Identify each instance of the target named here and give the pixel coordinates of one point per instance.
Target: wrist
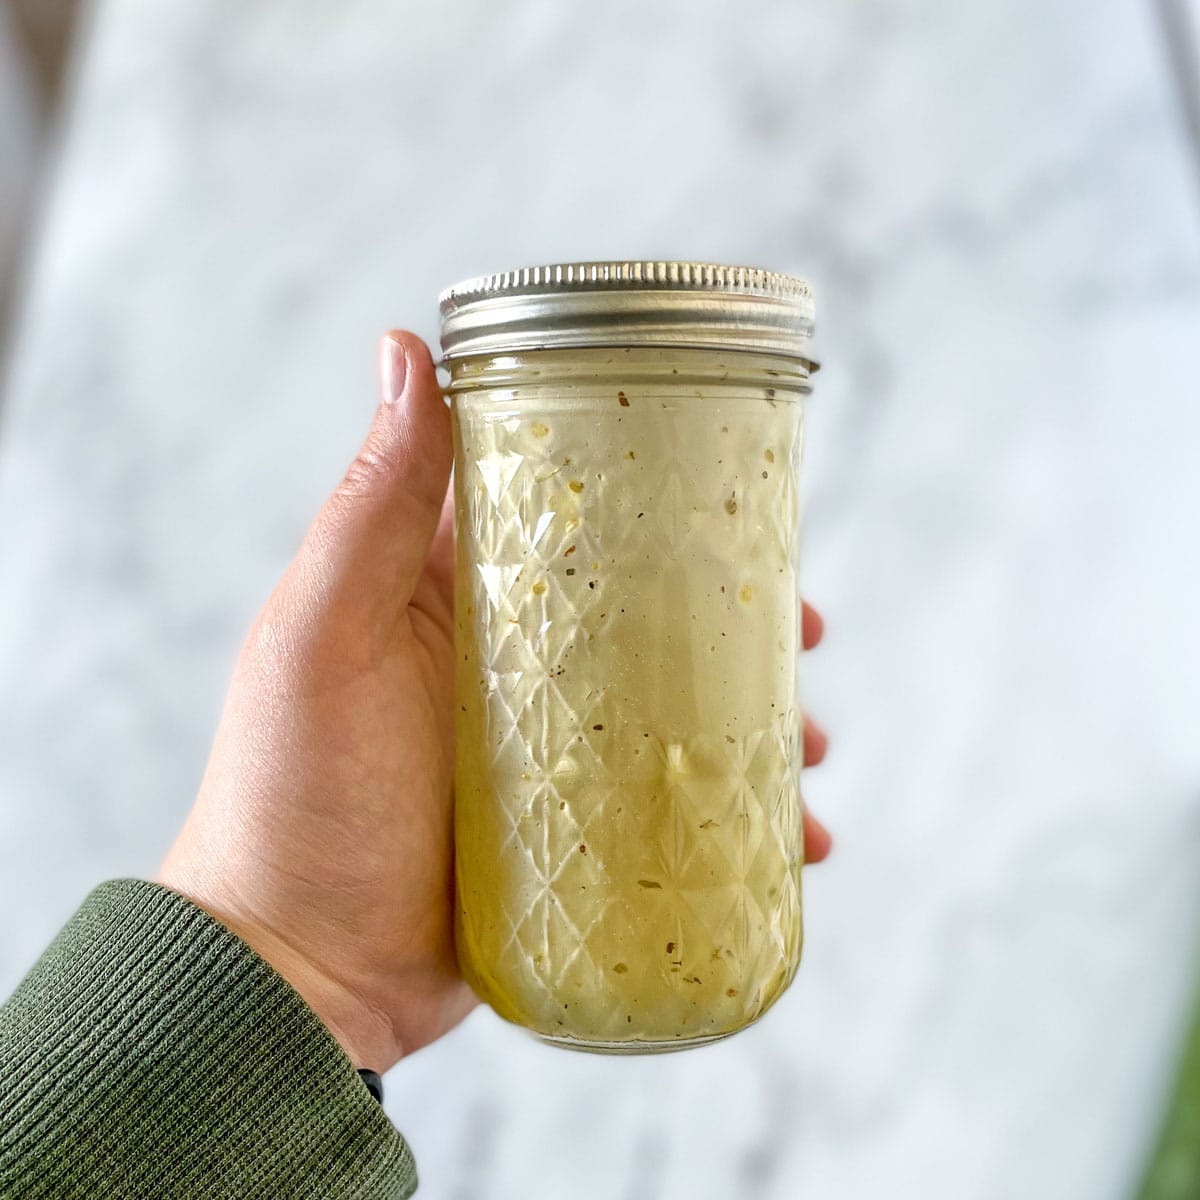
(364, 1034)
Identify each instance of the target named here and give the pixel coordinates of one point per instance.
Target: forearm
(150, 1052)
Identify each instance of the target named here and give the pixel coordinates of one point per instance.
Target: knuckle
(369, 473)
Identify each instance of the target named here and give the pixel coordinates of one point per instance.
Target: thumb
(369, 543)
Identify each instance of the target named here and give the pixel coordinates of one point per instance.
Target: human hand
(322, 833)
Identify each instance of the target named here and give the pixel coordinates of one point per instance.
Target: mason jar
(628, 824)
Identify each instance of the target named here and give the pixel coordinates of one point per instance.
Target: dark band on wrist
(374, 1083)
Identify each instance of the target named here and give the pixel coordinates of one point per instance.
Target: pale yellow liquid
(628, 815)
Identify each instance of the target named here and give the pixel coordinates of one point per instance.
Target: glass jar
(628, 817)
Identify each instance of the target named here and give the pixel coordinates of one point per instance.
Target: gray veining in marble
(996, 204)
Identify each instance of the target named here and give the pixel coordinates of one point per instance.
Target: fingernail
(393, 367)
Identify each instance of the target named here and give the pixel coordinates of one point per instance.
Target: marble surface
(997, 206)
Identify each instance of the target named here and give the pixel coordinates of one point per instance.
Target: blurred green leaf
(1174, 1169)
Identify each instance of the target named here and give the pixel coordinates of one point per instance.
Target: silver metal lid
(601, 304)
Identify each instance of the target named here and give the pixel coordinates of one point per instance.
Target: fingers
(817, 839)
(816, 742)
(812, 627)
(370, 541)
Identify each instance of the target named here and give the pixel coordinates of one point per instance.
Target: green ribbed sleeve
(151, 1053)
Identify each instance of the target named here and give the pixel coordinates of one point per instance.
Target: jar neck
(677, 366)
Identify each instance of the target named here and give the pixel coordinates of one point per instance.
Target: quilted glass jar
(628, 817)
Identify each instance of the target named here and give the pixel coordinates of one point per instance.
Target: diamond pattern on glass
(628, 828)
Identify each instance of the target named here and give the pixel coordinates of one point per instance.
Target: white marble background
(998, 207)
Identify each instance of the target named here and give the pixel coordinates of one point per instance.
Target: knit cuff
(151, 1053)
